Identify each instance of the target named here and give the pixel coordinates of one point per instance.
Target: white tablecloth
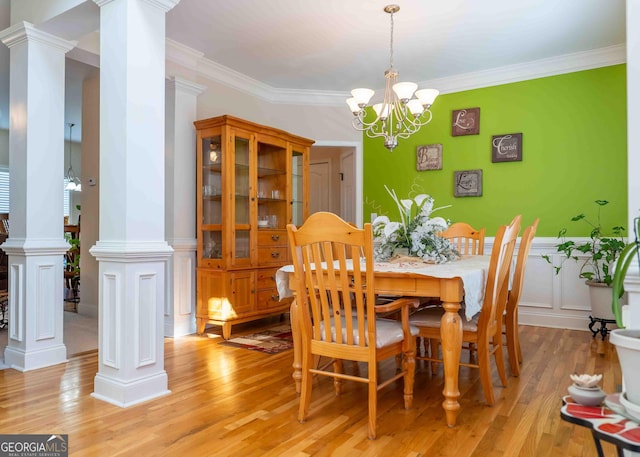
(472, 270)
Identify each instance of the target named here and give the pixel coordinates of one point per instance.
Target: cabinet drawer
(272, 255)
(267, 278)
(272, 237)
(268, 298)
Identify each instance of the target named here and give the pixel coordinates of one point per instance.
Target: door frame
(357, 146)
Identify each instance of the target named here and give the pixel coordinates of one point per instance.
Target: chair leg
(512, 351)
(373, 401)
(485, 372)
(409, 367)
(434, 351)
(338, 367)
(305, 387)
(499, 356)
(513, 344)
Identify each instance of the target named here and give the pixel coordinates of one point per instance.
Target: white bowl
(631, 409)
(263, 223)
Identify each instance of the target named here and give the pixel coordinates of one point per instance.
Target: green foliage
(630, 251)
(600, 252)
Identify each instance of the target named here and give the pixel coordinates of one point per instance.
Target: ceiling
(336, 45)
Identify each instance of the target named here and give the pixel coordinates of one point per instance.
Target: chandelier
(73, 182)
(399, 115)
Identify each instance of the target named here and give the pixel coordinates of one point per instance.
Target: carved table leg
(451, 337)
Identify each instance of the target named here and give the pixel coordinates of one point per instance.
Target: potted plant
(627, 341)
(598, 256)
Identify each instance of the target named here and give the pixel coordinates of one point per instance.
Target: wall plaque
(429, 157)
(465, 122)
(467, 183)
(506, 148)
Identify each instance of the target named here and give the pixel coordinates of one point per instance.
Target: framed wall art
(506, 148)
(429, 157)
(465, 122)
(467, 183)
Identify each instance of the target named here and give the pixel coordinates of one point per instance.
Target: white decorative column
(180, 205)
(36, 156)
(131, 250)
(632, 280)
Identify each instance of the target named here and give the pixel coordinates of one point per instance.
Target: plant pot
(587, 396)
(600, 296)
(627, 344)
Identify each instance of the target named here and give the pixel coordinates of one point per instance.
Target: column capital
(164, 5)
(25, 31)
(131, 251)
(184, 85)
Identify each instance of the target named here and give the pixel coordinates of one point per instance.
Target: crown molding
(567, 63)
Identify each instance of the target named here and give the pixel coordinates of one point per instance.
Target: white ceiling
(336, 45)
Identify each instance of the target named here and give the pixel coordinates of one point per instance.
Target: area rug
(270, 341)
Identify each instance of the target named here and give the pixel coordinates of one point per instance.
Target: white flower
(418, 234)
(380, 220)
(391, 229)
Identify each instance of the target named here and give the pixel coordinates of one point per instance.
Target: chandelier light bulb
(415, 107)
(427, 96)
(405, 90)
(353, 105)
(362, 96)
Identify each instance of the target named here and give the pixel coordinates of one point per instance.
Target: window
(4, 191)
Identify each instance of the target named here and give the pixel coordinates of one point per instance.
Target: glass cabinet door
(211, 179)
(297, 188)
(272, 184)
(241, 208)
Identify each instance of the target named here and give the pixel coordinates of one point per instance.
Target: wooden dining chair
(485, 328)
(466, 239)
(337, 311)
(511, 314)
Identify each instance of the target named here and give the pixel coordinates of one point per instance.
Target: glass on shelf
(212, 245)
(215, 154)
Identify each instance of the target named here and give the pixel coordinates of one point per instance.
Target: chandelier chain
(391, 44)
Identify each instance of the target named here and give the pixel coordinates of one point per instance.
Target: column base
(125, 394)
(21, 360)
(179, 327)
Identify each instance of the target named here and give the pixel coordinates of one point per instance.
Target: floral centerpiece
(416, 233)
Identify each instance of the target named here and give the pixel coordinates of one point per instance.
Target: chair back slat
(466, 239)
(335, 296)
(496, 289)
(523, 254)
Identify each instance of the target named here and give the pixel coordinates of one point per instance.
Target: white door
(319, 187)
(347, 187)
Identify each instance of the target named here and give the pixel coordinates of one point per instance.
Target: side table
(607, 422)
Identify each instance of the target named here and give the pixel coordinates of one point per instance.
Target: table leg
(297, 345)
(451, 337)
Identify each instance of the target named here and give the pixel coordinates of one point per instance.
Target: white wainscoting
(550, 300)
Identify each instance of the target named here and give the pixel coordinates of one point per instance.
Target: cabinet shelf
(264, 172)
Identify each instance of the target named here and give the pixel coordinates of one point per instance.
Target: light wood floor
(234, 402)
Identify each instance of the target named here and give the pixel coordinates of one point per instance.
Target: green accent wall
(574, 130)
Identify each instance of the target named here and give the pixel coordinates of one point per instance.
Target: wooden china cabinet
(252, 181)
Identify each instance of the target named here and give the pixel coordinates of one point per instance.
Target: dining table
(457, 284)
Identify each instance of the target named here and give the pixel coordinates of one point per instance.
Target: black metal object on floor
(602, 330)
